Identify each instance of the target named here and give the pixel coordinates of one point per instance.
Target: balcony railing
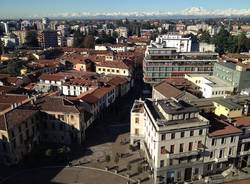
(184, 154)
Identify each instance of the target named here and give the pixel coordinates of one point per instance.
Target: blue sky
(27, 8)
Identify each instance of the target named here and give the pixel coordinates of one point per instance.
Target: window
(196, 171)
(163, 150)
(136, 120)
(209, 167)
(136, 131)
(178, 175)
(172, 135)
(223, 141)
(170, 161)
(221, 154)
(108, 70)
(182, 134)
(191, 133)
(190, 146)
(163, 137)
(162, 163)
(172, 149)
(113, 70)
(232, 139)
(200, 132)
(181, 147)
(117, 71)
(99, 69)
(200, 144)
(19, 128)
(211, 155)
(230, 151)
(213, 142)
(61, 117)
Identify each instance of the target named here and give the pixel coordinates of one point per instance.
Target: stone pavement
(99, 152)
(218, 178)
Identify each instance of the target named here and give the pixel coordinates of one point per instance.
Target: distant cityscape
(127, 99)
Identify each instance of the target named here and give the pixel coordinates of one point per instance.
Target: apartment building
(165, 90)
(221, 146)
(210, 86)
(47, 38)
(63, 122)
(162, 62)
(227, 108)
(76, 86)
(113, 67)
(48, 82)
(172, 134)
(18, 128)
(181, 43)
(235, 74)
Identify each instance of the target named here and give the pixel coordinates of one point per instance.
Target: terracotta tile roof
(16, 117)
(113, 64)
(11, 99)
(7, 89)
(97, 94)
(90, 99)
(56, 104)
(79, 81)
(242, 121)
(219, 127)
(117, 80)
(52, 77)
(102, 91)
(168, 90)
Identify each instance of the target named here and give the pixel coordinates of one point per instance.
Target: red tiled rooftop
(242, 121)
(52, 77)
(11, 99)
(113, 64)
(221, 128)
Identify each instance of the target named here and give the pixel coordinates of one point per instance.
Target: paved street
(240, 182)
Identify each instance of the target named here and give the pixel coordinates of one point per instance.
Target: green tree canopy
(205, 37)
(14, 67)
(89, 41)
(31, 39)
(78, 39)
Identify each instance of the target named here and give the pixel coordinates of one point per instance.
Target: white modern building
(182, 44)
(210, 86)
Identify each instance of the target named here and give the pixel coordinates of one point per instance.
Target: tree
(139, 168)
(129, 166)
(31, 39)
(107, 158)
(221, 40)
(14, 67)
(116, 159)
(89, 41)
(78, 39)
(205, 37)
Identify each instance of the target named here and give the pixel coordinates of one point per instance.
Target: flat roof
(228, 103)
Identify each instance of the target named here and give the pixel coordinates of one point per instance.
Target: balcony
(222, 159)
(148, 155)
(184, 154)
(245, 152)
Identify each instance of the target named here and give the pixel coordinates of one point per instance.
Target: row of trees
(225, 42)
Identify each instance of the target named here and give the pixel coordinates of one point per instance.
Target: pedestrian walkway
(219, 178)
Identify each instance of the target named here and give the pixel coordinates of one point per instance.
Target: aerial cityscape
(125, 92)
